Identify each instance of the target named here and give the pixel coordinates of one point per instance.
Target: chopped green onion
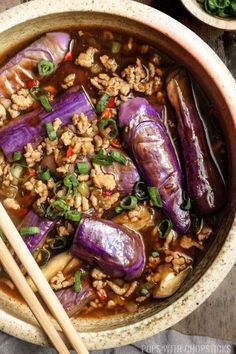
(118, 157)
(115, 48)
(118, 209)
(143, 291)
(221, 8)
(44, 175)
(71, 181)
(164, 228)
(29, 230)
(154, 196)
(50, 131)
(45, 256)
(129, 202)
(186, 205)
(155, 254)
(82, 168)
(102, 103)
(45, 103)
(17, 156)
(140, 191)
(73, 215)
(57, 208)
(197, 224)
(58, 243)
(45, 67)
(77, 286)
(102, 159)
(108, 123)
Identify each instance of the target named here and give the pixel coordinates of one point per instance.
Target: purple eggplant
(116, 249)
(146, 138)
(125, 175)
(31, 126)
(74, 302)
(205, 185)
(22, 67)
(44, 225)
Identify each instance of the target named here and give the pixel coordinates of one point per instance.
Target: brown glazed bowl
(31, 19)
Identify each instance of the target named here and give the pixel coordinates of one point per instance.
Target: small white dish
(228, 24)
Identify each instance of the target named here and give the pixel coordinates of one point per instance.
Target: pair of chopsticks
(44, 288)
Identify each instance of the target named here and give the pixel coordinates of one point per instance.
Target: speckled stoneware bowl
(26, 21)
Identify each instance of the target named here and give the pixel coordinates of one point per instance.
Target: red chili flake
(68, 57)
(106, 194)
(69, 151)
(108, 113)
(111, 102)
(102, 294)
(32, 172)
(32, 83)
(116, 143)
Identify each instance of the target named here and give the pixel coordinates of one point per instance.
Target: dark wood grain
(217, 316)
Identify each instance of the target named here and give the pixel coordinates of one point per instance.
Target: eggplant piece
(22, 67)
(45, 225)
(146, 138)
(125, 175)
(74, 302)
(116, 249)
(205, 185)
(30, 127)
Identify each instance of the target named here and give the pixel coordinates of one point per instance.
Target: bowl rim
(228, 24)
(222, 78)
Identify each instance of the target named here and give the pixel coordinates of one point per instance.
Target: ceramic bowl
(228, 24)
(31, 19)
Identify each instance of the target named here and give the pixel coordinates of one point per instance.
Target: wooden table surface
(217, 316)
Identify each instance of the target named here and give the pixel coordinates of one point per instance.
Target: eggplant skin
(73, 302)
(206, 187)
(116, 249)
(148, 142)
(21, 68)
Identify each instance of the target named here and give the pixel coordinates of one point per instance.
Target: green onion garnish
(45, 256)
(118, 209)
(102, 103)
(129, 202)
(50, 131)
(186, 205)
(29, 230)
(143, 291)
(108, 123)
(77, 286)
(154, 196)
(82, 168)
(155, 254)
(164, 228)
(71, 181)
(118, 157)
(221, 8)
(57, 208)
(44, 175)
(140, 191)
(102, 159)
(45, 103)
(58, 243)
(197, 224)
(17, 156)
(73, 215)
(45, 67)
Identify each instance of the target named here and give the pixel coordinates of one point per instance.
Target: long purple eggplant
(116, 249)
(147, 139)
(74, 302)
(44, 225)
(31, 126)
(22, 67)
(125, 175)
(205, 185)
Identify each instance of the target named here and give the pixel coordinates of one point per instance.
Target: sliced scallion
(155, 254)
(45, 67)
(118, 157)
(82, 168)
(77, 285)
(50, 131)
(44, 175)
(118, 209)
(186, 205)
(164, 228)
(102, 159)
(29, 230)
(129, 202)
(45, 103)
(58, 243)
(102, 103)
(154, 196)
(143, 292)
(140, 191)
(17, 156)
(44, 256)
(57, 208)
(108, 128)
(73, 215)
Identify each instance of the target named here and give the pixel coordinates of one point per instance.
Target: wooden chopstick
(19, 280)
(39, 280)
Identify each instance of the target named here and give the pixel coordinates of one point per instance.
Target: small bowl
(227, 24)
